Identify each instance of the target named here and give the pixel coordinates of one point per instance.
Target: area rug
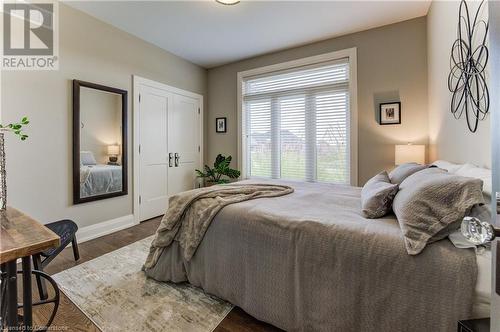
(116, 295)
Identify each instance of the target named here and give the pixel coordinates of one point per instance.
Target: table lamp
(113, 152)
(409, 153)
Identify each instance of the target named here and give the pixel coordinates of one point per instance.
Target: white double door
(169, 147)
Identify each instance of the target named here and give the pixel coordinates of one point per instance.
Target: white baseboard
(104, 228)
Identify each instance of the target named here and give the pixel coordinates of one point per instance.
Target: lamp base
(113, 159)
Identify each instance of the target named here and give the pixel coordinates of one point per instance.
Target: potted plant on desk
(17, 129)
(220, 173)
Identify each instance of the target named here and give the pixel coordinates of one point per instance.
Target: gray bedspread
(309, 261)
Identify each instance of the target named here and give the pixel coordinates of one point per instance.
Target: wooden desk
(21, 237)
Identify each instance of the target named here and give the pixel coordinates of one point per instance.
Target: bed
(100, 179)
(310, 261)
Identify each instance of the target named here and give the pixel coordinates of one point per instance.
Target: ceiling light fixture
(228, 2)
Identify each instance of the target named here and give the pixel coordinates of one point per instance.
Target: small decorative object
(221, 169)
(467, 78)
(478, 232)
(220, 125)
(390, 113)
(16, 129)
(113, 152)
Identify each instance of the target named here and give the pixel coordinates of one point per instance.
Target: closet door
(154, 106)
(184, 130)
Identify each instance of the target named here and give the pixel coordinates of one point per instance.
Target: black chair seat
(66, 229)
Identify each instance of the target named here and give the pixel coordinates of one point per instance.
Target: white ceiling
(210, 34)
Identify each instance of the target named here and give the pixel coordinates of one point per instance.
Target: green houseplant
(220, 173)
(15, 128)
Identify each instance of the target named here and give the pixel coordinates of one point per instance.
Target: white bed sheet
(482, 293)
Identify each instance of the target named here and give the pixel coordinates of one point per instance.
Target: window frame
(351, 54)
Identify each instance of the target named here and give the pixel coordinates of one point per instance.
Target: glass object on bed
(477, 231)
(100, 170)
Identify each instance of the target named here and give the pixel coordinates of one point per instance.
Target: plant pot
(210, 183)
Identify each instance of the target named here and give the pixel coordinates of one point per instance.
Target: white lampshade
(228, 2)
(113, 150)
(410, 153)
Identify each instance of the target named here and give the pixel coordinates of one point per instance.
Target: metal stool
(66, 229)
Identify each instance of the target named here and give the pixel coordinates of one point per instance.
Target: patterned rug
(116, 295)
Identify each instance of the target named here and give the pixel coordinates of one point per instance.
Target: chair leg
(76, 252)
(42, 290)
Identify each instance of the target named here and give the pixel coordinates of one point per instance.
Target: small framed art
(390, 113)
(220, 125)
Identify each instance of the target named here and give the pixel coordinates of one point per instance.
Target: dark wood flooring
(70, 318)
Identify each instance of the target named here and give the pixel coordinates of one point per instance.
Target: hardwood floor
(70, 318)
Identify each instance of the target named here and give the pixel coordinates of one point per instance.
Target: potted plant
(220, 173)
(17, 129)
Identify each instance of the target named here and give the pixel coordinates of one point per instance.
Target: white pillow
(443, 164)
(87, 158)
(484, 174)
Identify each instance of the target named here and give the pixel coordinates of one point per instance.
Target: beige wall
(39, 170)
(391, 66)
(101, 122)
(450, 139)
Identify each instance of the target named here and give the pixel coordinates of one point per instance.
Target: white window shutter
(297, 123)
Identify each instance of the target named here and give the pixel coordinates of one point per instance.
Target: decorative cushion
(432, 203)
(400, 173)
(377, 196)
(87, 158)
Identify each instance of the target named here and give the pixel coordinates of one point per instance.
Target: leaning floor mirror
(99, 142)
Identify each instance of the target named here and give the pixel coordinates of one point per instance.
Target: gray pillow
(400, 173)
(377, 196)
(87, 158)
(432, 203)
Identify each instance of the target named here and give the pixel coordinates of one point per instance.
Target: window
(296, 123)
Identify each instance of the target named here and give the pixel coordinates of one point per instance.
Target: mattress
(482, 291)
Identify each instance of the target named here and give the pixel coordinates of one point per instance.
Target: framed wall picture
(220, 125)
(390, 113)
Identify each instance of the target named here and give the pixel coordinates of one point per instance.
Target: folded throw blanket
(190, 213)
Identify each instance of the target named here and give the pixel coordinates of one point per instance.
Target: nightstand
(474, 325)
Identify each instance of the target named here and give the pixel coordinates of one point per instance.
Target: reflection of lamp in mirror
(478, 232)
(113, 152)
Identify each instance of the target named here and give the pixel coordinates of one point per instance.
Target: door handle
(170, 158)
(176, 159)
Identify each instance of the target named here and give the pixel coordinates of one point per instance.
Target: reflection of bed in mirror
(100, 144)
(100, 179)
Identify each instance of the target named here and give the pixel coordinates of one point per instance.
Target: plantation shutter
(297, 123)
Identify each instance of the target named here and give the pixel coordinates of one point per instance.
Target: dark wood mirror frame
(76, 141)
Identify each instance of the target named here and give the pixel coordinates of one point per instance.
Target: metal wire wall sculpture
(467, 78)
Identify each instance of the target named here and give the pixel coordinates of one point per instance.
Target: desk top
(22, 236)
